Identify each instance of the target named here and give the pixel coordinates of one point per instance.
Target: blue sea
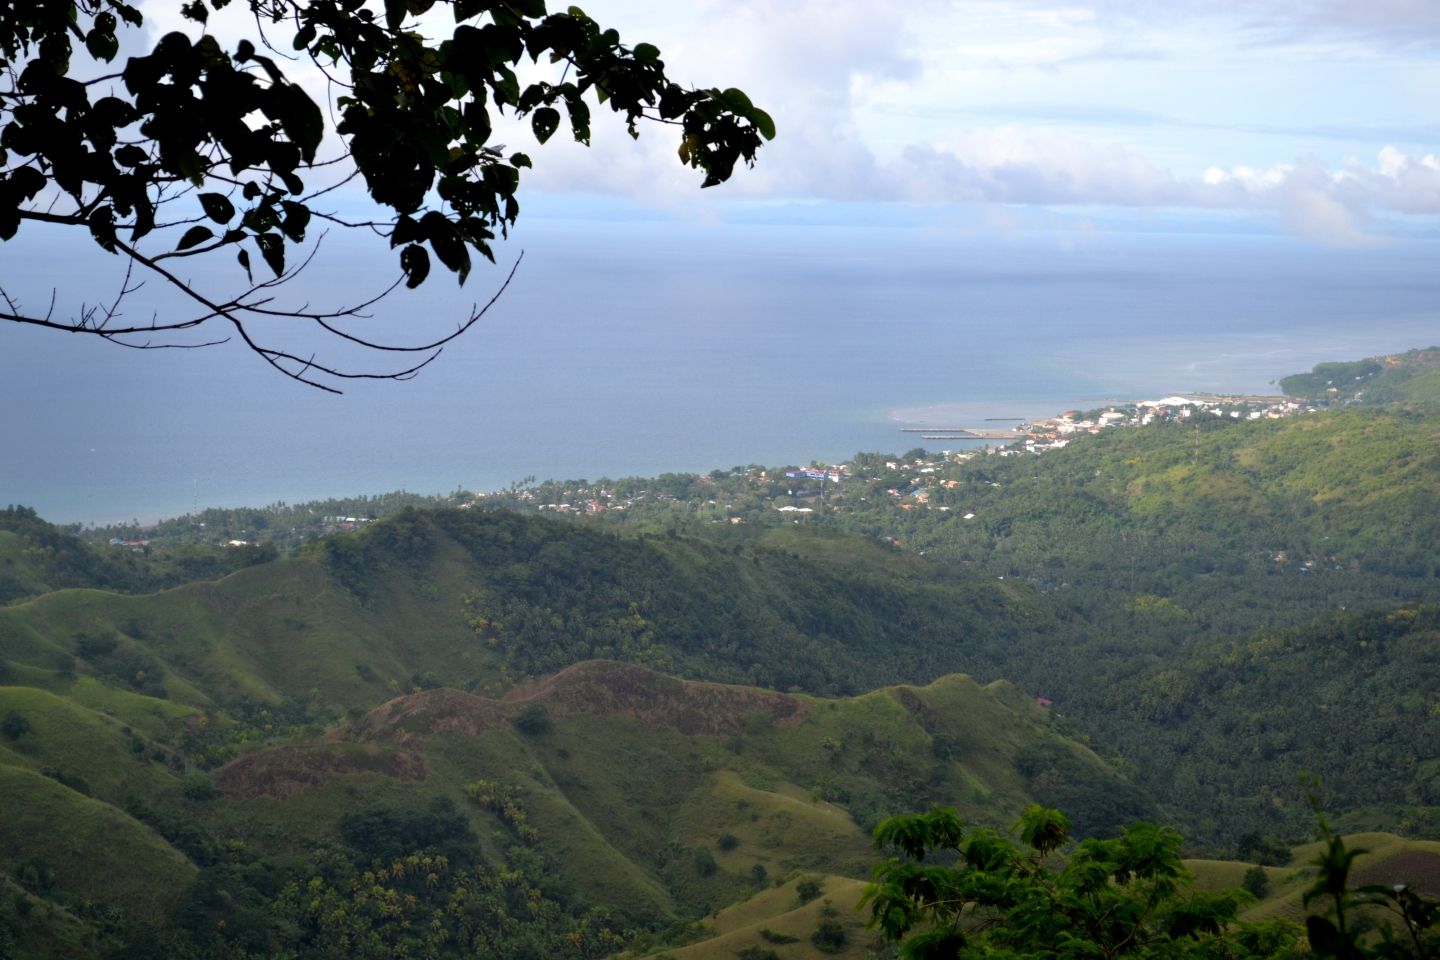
(633, 346)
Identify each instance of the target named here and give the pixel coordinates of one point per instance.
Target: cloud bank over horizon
(1308, 116)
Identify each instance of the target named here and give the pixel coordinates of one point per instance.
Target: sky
(1318, 119)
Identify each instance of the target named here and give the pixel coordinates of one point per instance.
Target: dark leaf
(674, 102)
(217, 207)
(533, 96)
(194, 237)
(416, 264)
(446, 244)
(302, 120)
(579, 118)
(763, 123)
(1325, 939)
(102, 45)
(272, 248)
(27, 181)
(102, 227)
(737, 101)
(544, 122)
(407, 230)
(297, 218)
(244, 259)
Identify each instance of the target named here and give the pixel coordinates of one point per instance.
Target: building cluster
(1042, 435)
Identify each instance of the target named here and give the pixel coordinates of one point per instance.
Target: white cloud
(834, 72)
(1013, 165)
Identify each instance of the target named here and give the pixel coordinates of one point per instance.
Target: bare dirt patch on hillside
(607, 688)
(433, 711)
(1419, 868)
(599, 688)
(282, 772)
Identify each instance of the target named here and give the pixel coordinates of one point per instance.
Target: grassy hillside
(1389, 860)
(37, 557)
(647, 795)
(223, 736)
(782, 921)
(480, 600)
(1141, 546)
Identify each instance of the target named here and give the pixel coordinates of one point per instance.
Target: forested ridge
(781, 611)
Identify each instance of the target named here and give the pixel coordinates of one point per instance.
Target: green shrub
(727, 842)
(75, 782)
(534, 720)
(808, 888)
(36, 876)
(1253, 847)
(757, 953)
(772, 937)
(199, 787)
(829, 936)
(1257, 882)
(705, 864)
(14, 726)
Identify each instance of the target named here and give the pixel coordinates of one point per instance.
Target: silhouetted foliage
(164, 165)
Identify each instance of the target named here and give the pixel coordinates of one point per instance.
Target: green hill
(1411, 377)
(1141, 548)
(1110, 581)
(228, 738)
(1353, 698)
(481, 599)
(37, 557)
(647, 795)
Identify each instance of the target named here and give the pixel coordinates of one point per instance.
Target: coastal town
(1040, 435)
(799, 491)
